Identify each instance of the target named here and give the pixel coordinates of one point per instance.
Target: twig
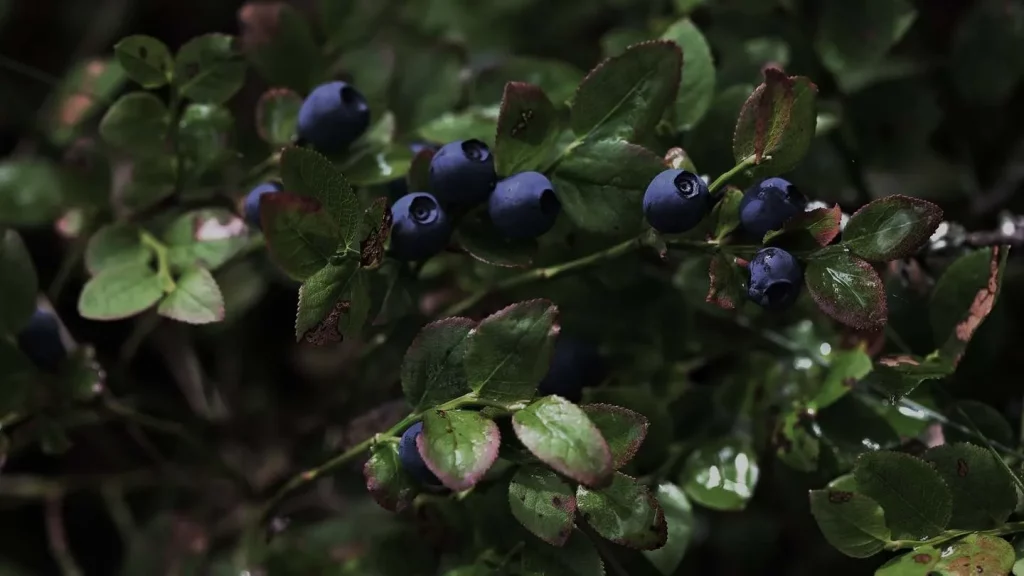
(42, 487)
(57, 538)
(611, 562)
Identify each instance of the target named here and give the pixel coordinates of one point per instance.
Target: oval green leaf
(527, 129)
(776, 123)
(137, 123)
(561, 435)
(852, 523)
(434, 370)
(196, 299)
(18, 283)
(114, 245)
(120, 292)
(697, 87)
(721, 474)
(891, 228)
(209, 69)
(984, 494)
(543, 503)
(848, 289)
(622, 428)
(679, 516)
(916, 500)
(964, 297)
(146, 60)
(624, 512)
(277, 116)
(301, 235)
(458, 446)
(386, 480)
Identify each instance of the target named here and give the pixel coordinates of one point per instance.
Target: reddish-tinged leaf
(458, 446)
(891, 228)
(814, 228)
(527, 129)
(848, 289)
(561, 435)
(277, 115)
(301, 235)
(371, 247)
(622, 428)
(544, 503)
(964, 297)
(386, 481)
(776, 123)
(727, 282)
(624, 512)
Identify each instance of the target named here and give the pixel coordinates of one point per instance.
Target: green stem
(58, 539)
(724, 179)
(1005, 529)
(163, 269)
(544, 274)
(67, 266)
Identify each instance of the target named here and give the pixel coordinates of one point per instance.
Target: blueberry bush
(432, 287)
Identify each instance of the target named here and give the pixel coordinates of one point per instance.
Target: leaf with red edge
(433, 369)
(622, 428)
(458, 446)
(301, 235)
(891, 228)
(527, 129)
(544, 503)
(626, 96)
(625, 512)
(848, 289)
(277, 116)
(386, 480)
(807, 230)
(964, 296)
(776, 123)
(560, 434)
(727, 282)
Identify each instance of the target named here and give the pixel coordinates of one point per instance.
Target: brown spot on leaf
(839, 496)
(962, 468)
(327, 330)
(524, 119)
(371, 248)
(556, 501)
(923, 558)
(78, 103)
(259, 22)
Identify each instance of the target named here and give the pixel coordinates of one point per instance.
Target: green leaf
(601, 185)
(622, 428)
(964, 296)
(679, 516)
(797, 445)
(974, 554)
(277, 116)
(322, 303)
(626, 96)
(113, 245)
(848, 289)
(983, 491)
(81, 376)
(527, 129)
(808, 230)
(18, 283)
(721, 474)
(152, 180)
(697, 87)
(207, 238)
(852, 523)
(209, 69)
(727, 282)
(17, 378)
(776, 124)
(433, 370)
(353, 318)
(279, 44)
(386, 480)
(309, 173)
(475, 122)
(577, 558)
(146, 60)
(379, 166)
(846, 367)
(301, 234)
(137, 123)
(900, 375)
(478, 236)
(973, 414)
(196, 299)
(204, 137)
(509, 351)
(556, 78)
(625, 513)
(891, 228)
(543, 503)
(726, 213)
(86, 88)
(120, 292)
(855, 36)
(429, 84)
(31, 192)
(458, 446)
(561, 435)
(916, 500)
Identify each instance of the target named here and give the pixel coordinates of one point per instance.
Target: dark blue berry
(767, 206)
(252, 202)
(462, 173)
(333, 116)
(420, 227)
(524, 205)
(575, 365)
(40, 341)
(676, 201)
(409, 457)
(776, 278)
(400, 186)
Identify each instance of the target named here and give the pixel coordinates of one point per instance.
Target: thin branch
(57, 538)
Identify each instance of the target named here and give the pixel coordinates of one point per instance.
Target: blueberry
(775, 279)
(252, 202)
(767, 206)
(462, 173)
(409, 457)
(400, 186)
(575, 365)
(676, 201)
(41, 342)
(420, 227)
(333, 116)
(524, 205)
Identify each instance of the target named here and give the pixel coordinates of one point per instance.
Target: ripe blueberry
(676, 201)
(333, 116)
(775, 279)
(462, 173)
(575, 365)
(524, 205)
(400, 186)
(420, 227)
(41, 342)
(409, 457)
(767, 206)
(252, 202)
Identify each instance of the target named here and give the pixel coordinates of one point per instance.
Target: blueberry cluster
(462, 176)
(40, 341)
(575, 364)
(676, 201)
